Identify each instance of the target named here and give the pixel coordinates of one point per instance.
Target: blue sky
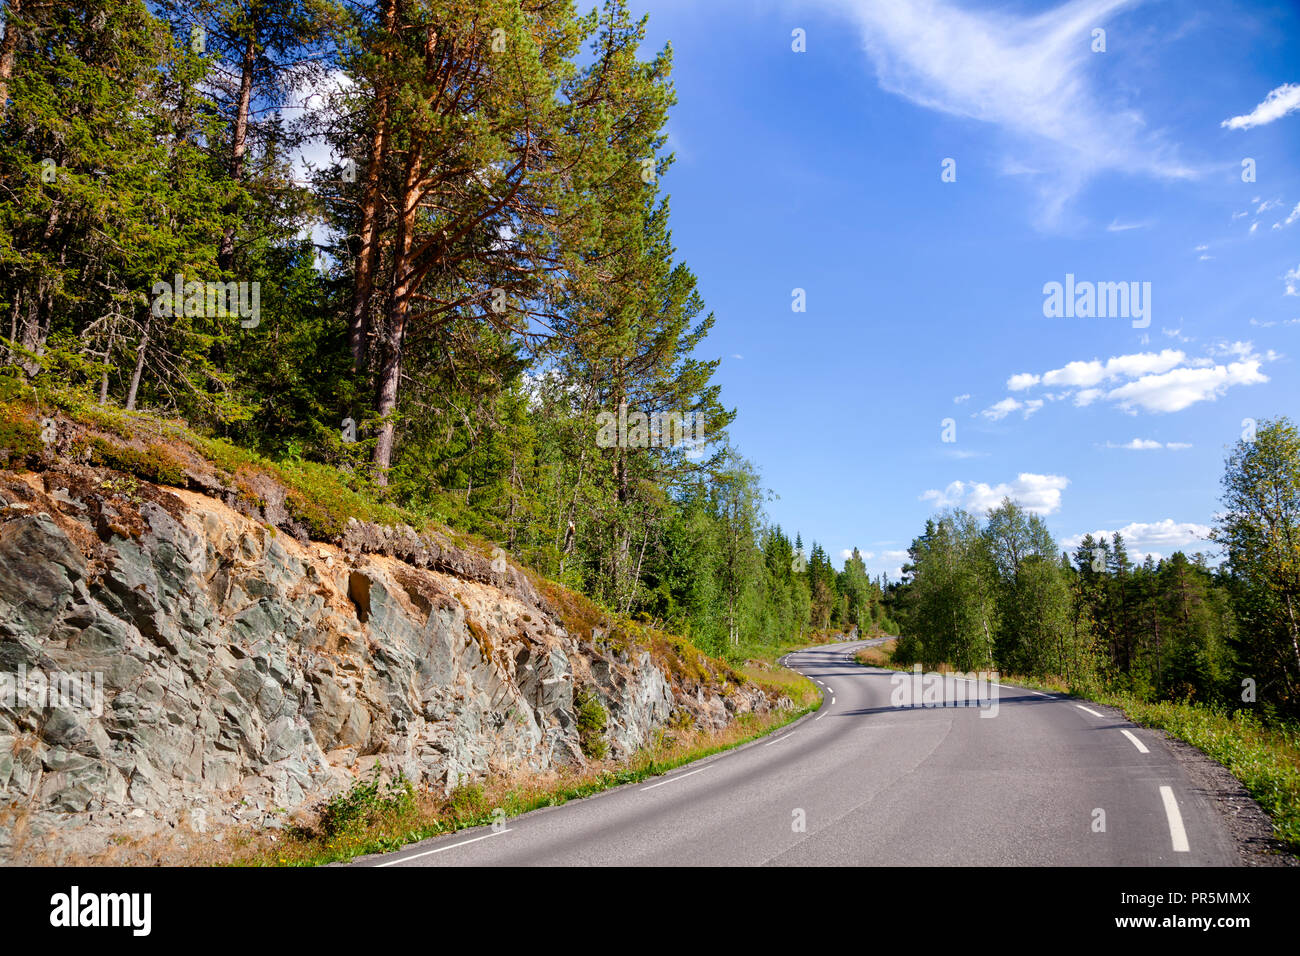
(821, 171)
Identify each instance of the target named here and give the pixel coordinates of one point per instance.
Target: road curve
(874, 784)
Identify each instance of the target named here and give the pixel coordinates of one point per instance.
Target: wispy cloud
(1117, 226)
(1147, 444)
(995, 413)
(1285, 99)
(1027, 75)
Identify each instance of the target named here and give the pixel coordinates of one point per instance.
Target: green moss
(156, 463)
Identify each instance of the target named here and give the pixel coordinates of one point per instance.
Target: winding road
(861, 782)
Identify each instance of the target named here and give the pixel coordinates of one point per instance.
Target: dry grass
(428, 815)
(881, 655)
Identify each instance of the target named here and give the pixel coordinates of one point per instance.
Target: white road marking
(828, 687)
(779, 739)
(680, 776)
(832, 700)
(442, 849)
(1041, 694)
(1176, 831)
(1086, 710)
(1142, 748)
(819, 716)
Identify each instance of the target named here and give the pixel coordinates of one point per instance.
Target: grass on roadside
(881, 655)
(1266, 759)
(372, 818)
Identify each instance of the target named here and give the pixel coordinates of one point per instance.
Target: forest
(997, 593)
(450, 306)
(472, 281)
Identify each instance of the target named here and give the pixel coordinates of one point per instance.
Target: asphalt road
(876, 784)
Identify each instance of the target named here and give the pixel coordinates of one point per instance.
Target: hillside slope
(241, 672)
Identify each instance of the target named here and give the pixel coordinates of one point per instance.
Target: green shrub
(592, 720)
(367, 803)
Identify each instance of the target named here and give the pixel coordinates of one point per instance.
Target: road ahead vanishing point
(862, 782)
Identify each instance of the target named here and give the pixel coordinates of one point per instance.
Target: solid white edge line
(1142, 748)
(680, 776)
(441, 849)
(779, 739)
(1176, 831)
(1041, 694)
(1087, 711)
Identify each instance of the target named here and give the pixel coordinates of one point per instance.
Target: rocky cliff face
(231, 672)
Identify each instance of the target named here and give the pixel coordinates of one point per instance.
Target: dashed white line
(1142, 748)
(779, 739)
(442, 849)
(680, 776)
(832, 700)
(1176, 832)
(1041, 694)
(1087, 711)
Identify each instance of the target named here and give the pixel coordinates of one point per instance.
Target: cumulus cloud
(1285, 99)
(1160, 539)
(1040, 494)
(1176, 390)
(1029, 75)
(1165, 381)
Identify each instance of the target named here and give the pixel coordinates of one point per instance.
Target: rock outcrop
(230, 673)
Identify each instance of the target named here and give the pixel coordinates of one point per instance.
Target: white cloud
(1159, 538)
(1147, 444)
(1017, 383)
(1040, 494)
(1279, 102)
(1094, 372)
(1031, 76)
(1176, 390)
(958, 399)
(1165, 381)
(1117, 226)
(1292, 279)
(1266, 205)
(999, 411)
(1292, 216)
